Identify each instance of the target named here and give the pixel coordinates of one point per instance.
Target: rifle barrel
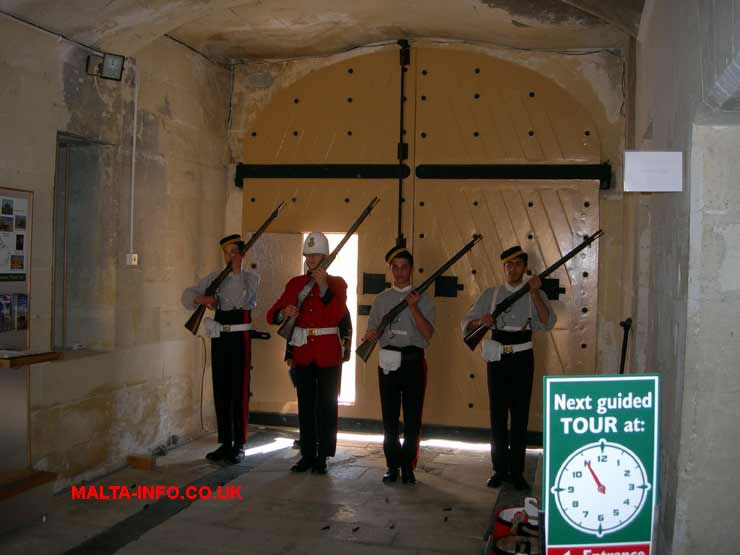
(366, 348)
(286, 328)
(473, 338)
(193, 322)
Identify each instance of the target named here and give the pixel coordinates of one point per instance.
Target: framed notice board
(15, 259)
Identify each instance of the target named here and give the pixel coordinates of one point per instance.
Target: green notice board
(601, 463)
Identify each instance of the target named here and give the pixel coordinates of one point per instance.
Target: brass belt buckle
(312, 332)
(508, 349)
(225, 327)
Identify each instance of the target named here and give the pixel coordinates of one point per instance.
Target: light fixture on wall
(107, 66)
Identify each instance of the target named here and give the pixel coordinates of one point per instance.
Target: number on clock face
(600, 488)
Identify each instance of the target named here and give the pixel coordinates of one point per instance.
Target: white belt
(312, 332)
(235, 327)
(215, 329)
(301, 335)
(510, 349)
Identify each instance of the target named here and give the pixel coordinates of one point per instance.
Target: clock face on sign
(600, 488)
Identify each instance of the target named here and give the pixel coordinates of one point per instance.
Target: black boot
(391, 474)
(219, 454)
(235, 456)
(302, 465)
(407, 475)
(319, 466)
(496, 480)
(519, 482)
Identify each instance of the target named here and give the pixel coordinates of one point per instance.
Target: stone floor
(347, 511)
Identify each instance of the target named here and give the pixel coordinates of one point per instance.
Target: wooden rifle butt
(286, 328)
(365, 350)
(474, 337)
(193, 322)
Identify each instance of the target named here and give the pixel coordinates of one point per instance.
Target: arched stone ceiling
(269, 29)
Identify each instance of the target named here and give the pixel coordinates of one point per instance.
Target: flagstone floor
(349, 510)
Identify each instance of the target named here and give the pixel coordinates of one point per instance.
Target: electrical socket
(132, 259)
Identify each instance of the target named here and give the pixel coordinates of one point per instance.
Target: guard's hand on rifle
(289, 311)
(486, 320)
(289, 362)
(371, 336)
(535, 283)
(321, 277)
(205, 300)
(413, 298)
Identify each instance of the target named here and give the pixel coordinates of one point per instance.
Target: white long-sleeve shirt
(236, 291)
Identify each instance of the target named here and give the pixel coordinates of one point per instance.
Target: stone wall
(689, 267)
(92, 409)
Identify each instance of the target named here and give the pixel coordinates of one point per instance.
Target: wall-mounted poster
(20, 304)
(13, 214)
(7, 206)
(7, 317)
(16, 223)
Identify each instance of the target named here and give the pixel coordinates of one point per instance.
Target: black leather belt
(408, 354)
(511, 337)
(227, 317)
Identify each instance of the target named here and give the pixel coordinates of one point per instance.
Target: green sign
(600, 475)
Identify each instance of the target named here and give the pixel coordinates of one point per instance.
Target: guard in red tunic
(316, 351)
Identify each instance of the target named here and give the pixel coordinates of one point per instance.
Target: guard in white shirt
(230, 347)
(510, 362)
(403, 370)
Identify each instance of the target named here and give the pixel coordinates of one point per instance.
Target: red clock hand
(599, 485)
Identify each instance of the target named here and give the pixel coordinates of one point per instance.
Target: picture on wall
(7, 318)
(19, 240)
(20, 222)
(6, 224)
(21, 311)
(16, 262)
(7, 207)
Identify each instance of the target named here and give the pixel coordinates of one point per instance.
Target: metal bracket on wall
(552, 288)
(372, 284)
(602, 172)
(319, 171)
(447, 286)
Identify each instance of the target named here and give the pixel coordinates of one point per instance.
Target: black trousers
(230, 360)
(509, 393)
(405, 386)
(318, 392)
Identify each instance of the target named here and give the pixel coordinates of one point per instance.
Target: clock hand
(601, 487)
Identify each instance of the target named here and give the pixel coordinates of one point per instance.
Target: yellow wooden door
(463, 107)
(547, 219)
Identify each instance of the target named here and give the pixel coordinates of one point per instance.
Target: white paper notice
(653, 172)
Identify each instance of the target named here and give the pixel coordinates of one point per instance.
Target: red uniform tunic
(316, 312)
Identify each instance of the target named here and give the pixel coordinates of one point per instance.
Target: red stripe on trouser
(421, 418)
(339, 390)
(247, 374)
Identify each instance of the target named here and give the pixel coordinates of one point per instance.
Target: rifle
(286, 328)
(475, 336)
(364, 350)
(194, 322)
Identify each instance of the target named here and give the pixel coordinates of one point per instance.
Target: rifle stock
(193, 322)
(286, 328)
(473, 338)
(366, 348)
